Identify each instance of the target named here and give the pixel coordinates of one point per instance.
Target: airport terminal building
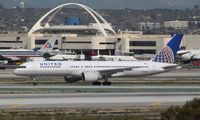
(142, 45)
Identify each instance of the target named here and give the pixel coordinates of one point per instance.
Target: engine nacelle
(71, 79)
(91, 76)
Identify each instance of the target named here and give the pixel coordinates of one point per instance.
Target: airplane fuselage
(76, 68)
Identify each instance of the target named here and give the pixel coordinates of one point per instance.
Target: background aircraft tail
(48, 46)
(168, 53)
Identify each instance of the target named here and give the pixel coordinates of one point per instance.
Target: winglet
(168, 53)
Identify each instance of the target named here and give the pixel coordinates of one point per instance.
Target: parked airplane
(94, 71)
(188, 55)
(17, 54)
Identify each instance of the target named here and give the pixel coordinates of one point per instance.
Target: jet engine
(91, 76)
(71, 79)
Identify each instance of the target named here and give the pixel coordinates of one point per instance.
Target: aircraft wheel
(96, 83)
(107, 83)
(35, 83)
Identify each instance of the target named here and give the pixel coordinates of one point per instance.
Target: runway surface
(74, 96)
(93, 100)
(69, 88)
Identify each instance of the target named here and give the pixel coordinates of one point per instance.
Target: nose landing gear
(35, 82)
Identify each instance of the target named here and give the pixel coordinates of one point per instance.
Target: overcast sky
(110, 4)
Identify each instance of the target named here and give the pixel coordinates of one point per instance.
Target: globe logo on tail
(166, 55)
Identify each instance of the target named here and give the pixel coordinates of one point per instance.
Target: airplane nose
(20, 72)
(16, 72)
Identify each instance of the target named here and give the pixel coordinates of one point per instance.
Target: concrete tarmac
(95, 96)
(93, 100)
(68, 88)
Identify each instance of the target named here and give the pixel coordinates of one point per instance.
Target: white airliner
(94, 71)
(188, 55)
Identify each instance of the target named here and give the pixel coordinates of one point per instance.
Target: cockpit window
(22, 67)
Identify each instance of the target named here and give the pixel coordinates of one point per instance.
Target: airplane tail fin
(168, 53)
(48, 46)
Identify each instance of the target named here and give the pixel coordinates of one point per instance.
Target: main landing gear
(106, 83)
(35, 82)
(96, 83)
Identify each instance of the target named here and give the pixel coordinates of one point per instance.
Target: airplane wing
(5, 58)
(13, 58)
(182, 52)
(172, 67)
(109, 72)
